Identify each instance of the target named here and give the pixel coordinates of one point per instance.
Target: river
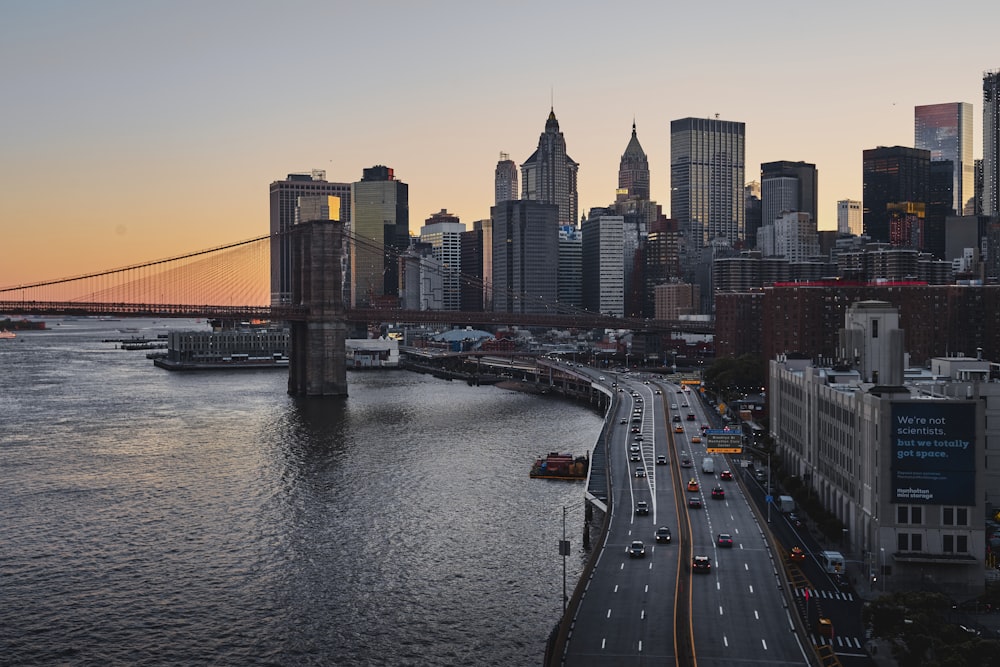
(163, 518)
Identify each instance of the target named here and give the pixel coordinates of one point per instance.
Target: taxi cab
(693, 485)
(678, 429)
(695, 439)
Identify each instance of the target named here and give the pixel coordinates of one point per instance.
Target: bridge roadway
(654, 610)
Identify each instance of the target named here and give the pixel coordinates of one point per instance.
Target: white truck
(786, 504)
(708, 465)
(832, 561)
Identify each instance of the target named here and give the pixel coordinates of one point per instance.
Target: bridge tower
(317, 356)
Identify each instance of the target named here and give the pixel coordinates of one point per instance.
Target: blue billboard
(933, 453)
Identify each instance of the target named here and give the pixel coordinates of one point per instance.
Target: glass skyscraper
(991, 143)
(707, 175)
(946, 131)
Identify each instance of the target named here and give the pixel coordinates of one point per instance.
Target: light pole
(564, 552)
(767, 492)
(881, 566)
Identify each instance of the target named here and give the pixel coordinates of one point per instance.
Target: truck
(832, 561)
(708, 465)
(786, 504)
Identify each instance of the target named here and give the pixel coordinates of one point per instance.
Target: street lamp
(881, 566)
(564, 552)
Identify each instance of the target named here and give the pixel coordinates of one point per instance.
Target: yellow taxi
(695, 438)
(678, 429)
(693, 485)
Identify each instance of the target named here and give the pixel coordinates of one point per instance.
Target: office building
(849, 218)
(946, 131)
(549, 175)
(525, 256)
(899, 455)
(603, 265)
(788, 186)
(892, 175)
(322, 198)
(443, 233)
(570, 267)
(505, 179)
(754, 213)
(707, 177)
(473, 277)
(380, 221)
(991, 143)
(633, 171)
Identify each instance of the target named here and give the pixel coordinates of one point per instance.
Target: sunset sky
(136, 130)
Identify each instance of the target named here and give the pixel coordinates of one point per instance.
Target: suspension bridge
(232, 282)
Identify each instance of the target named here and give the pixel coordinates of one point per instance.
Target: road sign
(768, 499)
(723, 442)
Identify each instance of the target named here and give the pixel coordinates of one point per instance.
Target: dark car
(642, 507)
(726, 475)
(637, 549)
(640, 472)
(635, 456)
(796, 554)
(662, 534)
(636, 429)
(677, 418)
(690, 416)
(694, 502)
(725, 540)
(701, 564)
(661, 460)
(718, 493)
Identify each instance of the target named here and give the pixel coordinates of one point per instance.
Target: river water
(159, 518)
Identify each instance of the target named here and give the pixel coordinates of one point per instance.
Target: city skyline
(133, 133)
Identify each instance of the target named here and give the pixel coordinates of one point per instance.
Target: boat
(7, 334)
(560, 466)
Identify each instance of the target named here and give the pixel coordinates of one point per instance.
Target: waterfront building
(320, 198)
(603, 266)
(570, 266)
(380, 220)
(525, 256)
(245, 347)
(788, 186)
(849, 218)
(505, 179)
(707, 177)
(946, 131)
(990, 201)
(371, 353)
(891, 175)
(898, 455)
(443, 232)
(550, 175)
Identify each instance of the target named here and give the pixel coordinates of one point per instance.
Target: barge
(560, 466)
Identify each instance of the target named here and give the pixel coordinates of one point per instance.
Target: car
(634, 448)
(686, 462)
(640, 472)
(624, 420)
(642, 507)
(662, 534)
(614, 384)
(796, 554)
(726, 475)
(635, 456)
(678, 429)
(637, 549)
(694, 502)
(677, 418)
(636, 429)
(619, 390)
(601, 379)
(659, 393)
(695, 439)
(646, 382)
(690, 416)
(794, 519)
(701, 564)
(638, 399)
(673, 406)
(661, 460)
(638, 437)
(718, 493)
(725, 541)
(704, 427)
(692, 485)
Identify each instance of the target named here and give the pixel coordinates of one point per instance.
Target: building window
(955, 516)
(909, 542)
(955, 544)
(910, 514)
(874, 328)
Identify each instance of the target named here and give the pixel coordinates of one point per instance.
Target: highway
(653, 610)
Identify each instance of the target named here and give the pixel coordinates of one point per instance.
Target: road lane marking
(725, 640)
(603, 642)
(616, 588)
(756, 615)
(764, 643)
(720, 610)
(609, 612)
(751, 588)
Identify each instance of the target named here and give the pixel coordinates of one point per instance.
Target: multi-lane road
(654, 609)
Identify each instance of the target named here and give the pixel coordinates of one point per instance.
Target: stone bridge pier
(317, 356)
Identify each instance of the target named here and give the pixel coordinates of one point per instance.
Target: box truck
(708, 465)
(786, 504)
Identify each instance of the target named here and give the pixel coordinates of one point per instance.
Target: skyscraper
(284, 202)
(549, 175)
(380, 224)
(443, 233)
(603, 266)
(505, 179)
(991, 143)
(525, 256)
(892, 175)
(633, 171)
(946, 131)
(788, 186)
(849, 219)
(707, 175)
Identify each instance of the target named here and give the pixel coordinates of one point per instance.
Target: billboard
(933, 449)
